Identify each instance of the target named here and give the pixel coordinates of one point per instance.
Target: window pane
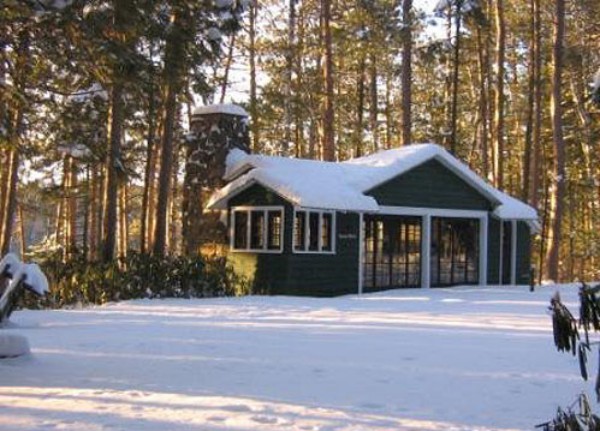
(240, 230)
(274, 232)
(299, 230)
(313, 231)
(257, 228)
(326, 232)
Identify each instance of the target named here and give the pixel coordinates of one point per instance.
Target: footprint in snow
(237, 408)
(216, 419)
(267, 420)
(371, 406)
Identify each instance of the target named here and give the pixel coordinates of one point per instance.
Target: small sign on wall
(347, 236)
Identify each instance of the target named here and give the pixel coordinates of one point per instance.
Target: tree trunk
(148, 171)
(557, 198)
(289, 68)
(374, 103)
(537, 101)
(13, 157)
(95, 211)
(123, 225)
(328, 143)
(174, 221)
(114, 170)
(483, 60)
(4, 187)
(71, 195)
(388, 111)
(174, 68)
(166, 166)
(228, 62)
(499, 105)
(528, 147)
(360, 107)
(22, 236)
(11, 199)
(300, 119)
(407, 71)
(113, 166)
(254, 124)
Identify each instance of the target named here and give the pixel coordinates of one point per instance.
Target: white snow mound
(13, 345)
(35, 279)
(9, 265)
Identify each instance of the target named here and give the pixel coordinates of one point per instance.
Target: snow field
(439, 359)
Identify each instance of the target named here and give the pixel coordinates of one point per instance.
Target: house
(409, 217)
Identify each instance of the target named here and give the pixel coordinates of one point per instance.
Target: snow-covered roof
(343, 186)
(224, 108)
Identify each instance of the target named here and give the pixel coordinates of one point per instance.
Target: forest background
(96, 99)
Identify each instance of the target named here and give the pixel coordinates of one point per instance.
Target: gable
(430, 184)
(257, 195)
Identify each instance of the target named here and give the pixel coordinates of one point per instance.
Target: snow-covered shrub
(13, 345)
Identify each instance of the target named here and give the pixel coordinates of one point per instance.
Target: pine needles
(571, 420)
(567, 339)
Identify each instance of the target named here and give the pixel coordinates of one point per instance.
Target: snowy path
(460, 359)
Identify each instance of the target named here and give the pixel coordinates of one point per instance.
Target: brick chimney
(215, 129)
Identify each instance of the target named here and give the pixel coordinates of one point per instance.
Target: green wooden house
(409, 217)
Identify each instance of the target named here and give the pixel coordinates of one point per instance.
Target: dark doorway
(454, 251)
(392, 257)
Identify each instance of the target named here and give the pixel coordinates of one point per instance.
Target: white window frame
(320, 250)
(265, 233)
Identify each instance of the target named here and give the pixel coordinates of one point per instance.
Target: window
(326, 232)
(454, 251)
(257, 229)
(313, 232)
(300, 231)
(274, 233)
(240, 229)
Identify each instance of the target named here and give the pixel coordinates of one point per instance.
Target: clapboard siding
(267, 273)
(257, 195)
(319, 274)
(328, 274)
(430, 185)
(298, 273)
(493, 251)
(523, 253)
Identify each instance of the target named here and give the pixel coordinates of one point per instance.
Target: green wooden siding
(430, 185)
(256, 195)
(493, 270)
(523, 253)
(328, 274)
(291, 273)
(266, 272)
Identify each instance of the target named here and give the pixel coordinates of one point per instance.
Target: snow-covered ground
(452, 359)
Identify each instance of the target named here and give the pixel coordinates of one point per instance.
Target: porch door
(392, 257)
(454, 251)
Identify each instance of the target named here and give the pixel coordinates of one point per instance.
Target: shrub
(79, 282)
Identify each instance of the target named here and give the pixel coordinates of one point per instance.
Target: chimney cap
(224, 108)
